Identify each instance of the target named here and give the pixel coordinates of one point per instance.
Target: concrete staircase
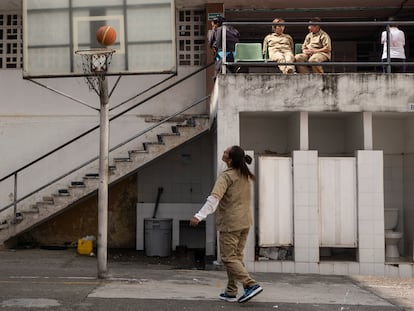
(57, 199)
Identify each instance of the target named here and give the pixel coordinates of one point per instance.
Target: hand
(308, 52)
(194, 222)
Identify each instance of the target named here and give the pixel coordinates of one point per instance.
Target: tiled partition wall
(371, 212)
(371, 252)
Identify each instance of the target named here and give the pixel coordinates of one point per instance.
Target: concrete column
(367, 126)
(228, 121)
(304, 130)
(249, 253)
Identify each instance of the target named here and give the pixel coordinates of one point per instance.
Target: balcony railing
(388, 63)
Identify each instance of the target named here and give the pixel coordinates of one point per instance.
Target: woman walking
(231, 197)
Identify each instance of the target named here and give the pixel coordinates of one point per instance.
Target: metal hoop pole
(103, 180)
(95, 63)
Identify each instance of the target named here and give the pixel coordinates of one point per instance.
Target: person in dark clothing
(212, 35)
(232, 37)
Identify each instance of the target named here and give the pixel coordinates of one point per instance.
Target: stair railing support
(14, 220)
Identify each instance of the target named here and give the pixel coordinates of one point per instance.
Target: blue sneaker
(250, 292)
(228, 298)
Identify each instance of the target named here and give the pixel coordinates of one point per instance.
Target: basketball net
(95, 64)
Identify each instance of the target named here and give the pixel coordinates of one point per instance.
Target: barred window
(11, 46)
(191, 38)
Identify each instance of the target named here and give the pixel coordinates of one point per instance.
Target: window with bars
(191, 38)
(11, 42)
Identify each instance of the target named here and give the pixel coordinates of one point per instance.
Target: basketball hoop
(95, 64)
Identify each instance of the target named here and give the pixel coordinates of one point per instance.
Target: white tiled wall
(370, 209)
(306, 219)
(371, 250)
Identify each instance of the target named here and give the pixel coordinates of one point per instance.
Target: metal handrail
(15, 173)
(110, 150)
(387, 63)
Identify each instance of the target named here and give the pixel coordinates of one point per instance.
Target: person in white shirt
(397, 43)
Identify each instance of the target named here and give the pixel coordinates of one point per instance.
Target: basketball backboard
(55, 29)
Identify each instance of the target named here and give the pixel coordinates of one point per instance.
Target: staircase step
(77, 184)
(62, 193)
(150, 143)
(185, 125)
(137, 152)
(4, 225)
(169, 134)
(47, 198)
(32, 210)
(19, 217)
(122, 160)
(45, 202)
(162, 135)
(91, 176)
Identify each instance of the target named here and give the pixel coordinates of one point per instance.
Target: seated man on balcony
(280, 47)
(316, 48)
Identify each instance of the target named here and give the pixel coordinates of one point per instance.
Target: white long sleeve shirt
(397, 43)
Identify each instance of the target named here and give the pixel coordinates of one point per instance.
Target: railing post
(388, 49)
(223, 49)
(15, 199)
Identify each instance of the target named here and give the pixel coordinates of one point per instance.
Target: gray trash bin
(158, 236)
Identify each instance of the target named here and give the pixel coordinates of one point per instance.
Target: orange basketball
(106, 35)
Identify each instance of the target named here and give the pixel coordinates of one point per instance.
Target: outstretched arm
(208, 208)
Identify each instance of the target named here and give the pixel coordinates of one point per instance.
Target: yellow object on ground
(85, 247)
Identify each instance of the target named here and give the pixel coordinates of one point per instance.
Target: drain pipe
(157, 202)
